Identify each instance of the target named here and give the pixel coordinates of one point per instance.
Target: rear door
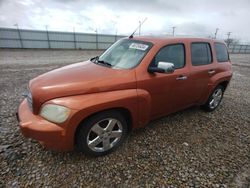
(202, 68)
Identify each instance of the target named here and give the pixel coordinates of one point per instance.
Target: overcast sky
(190, 17)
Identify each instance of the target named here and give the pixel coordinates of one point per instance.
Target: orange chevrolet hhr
(94, 104)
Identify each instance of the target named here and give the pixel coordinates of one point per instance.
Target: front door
(168, 91)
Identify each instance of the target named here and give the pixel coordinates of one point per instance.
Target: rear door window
(221, 52)
(201, 53)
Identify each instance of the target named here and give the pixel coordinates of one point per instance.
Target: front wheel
(214, 99)
(101, 133)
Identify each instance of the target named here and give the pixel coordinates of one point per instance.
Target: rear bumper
(51, 135)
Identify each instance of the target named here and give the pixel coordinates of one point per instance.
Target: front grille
(30, 102)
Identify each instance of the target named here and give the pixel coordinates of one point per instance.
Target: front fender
(89, 104)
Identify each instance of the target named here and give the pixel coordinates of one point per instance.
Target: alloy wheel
(104, 135)
(216, 98)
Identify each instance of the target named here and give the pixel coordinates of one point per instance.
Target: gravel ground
(190, 148)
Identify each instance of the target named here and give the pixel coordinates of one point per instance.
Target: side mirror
(162, 67)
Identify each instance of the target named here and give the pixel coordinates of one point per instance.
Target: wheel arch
(123, 111)
(224, 84)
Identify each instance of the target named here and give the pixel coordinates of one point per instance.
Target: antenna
(139, 27)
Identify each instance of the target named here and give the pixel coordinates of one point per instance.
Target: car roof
(170, 39)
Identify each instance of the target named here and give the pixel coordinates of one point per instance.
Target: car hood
(80, 78)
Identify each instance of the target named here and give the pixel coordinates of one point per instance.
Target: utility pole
(46, 26)
(228, 38)
(215, 34)
(139, 28)
(116, 35)
(97, 47)
(19, 34)
(74, 37)
(173, 30)
(140, 24)
(228, 35)
(115, 26)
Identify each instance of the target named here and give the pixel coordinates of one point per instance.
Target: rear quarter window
(221, 52)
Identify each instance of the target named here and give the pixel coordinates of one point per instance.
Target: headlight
(55, 113)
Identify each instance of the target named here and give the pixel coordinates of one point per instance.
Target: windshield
(125, 53)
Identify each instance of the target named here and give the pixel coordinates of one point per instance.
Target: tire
(101, 133)
(214, 99)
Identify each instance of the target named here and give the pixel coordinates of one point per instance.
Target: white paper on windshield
(138, 46)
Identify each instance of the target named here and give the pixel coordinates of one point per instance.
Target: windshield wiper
(94, 58)
(104, 63)
(97, 61)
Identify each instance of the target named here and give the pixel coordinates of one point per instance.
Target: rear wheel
(101, 133)
(214, 99)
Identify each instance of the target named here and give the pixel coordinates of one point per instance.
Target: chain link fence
(239, 49)
(23, 38)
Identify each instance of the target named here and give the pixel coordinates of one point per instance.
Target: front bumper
(51, 135)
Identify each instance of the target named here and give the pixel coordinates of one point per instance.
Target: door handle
(211, 71)
(181, 77)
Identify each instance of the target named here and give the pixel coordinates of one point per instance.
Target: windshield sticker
(138, 46)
